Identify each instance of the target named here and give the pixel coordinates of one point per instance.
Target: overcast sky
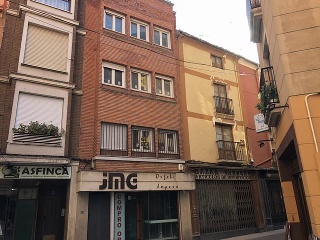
(221, 22)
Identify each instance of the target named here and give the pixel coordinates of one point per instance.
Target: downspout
(310, 120)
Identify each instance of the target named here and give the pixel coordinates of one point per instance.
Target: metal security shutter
(39, 108)
(46, 48)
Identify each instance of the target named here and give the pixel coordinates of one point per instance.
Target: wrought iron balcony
(223, 105)
(268, 91)
(234, 151)
(255, 3)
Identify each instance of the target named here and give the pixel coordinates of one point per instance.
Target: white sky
(221, 22)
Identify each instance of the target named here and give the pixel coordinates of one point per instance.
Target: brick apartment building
(36, 66)
(131, 181)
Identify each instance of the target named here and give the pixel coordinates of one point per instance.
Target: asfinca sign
(35, 172)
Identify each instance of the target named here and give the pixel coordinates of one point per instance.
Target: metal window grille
(225, 205)
(114, 139)
(168, 144)
(142, 142)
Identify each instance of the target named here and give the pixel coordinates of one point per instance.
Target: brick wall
(111, 104)
(9, 56)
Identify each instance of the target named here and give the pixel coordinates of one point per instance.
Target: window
(142, 139)
(226, 147)
(164, 86)
(168, 141)
(162, 38)
(139, 30)
(114, 139)
(60, 4)
(160, 215)
(222, 103)
(38, 108)
(114, 22)
(140, 81)
(216, 61)
(113, 75)
(41, 52)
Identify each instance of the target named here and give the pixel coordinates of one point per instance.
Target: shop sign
(35, 172)
(120, 181)
(119, 216)
(259, 123)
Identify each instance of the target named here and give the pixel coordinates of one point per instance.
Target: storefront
(33, 201)
(131, 206)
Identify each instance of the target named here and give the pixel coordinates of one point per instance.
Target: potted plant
(36, 128)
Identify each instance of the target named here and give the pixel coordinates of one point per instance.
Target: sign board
(125, 181)
(34, 172)
(259, 123)
(119, 216)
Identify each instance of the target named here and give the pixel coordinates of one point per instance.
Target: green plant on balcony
(36, 128)
(268, 94)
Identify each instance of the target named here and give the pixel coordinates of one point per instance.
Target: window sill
(115, 88)
(46, 69)
(136, 159)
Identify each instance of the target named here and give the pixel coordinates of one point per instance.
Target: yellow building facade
(210, 100)
(287, 34)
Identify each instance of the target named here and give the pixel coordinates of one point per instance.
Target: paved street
(272, 235)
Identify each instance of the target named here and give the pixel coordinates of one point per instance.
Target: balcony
(231, 151)
(268, 97)
(223, 105)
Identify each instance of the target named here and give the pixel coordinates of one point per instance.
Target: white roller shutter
(46, 48)
(39, 108)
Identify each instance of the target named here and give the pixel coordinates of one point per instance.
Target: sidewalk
(271, 235)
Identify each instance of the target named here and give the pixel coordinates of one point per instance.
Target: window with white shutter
(46, 48)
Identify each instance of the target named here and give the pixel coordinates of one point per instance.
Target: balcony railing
(268, 90)
(255, 3)
(223, 105)
(234, 151)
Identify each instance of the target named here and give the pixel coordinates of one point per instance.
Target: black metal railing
(255, 3)
(231, 150)
(223, 105)
(114, 139)
(268, 90)
(168, 144)
(142, 142)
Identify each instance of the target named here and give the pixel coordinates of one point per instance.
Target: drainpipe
(310, 120)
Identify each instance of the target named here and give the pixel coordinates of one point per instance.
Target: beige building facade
(287, 37)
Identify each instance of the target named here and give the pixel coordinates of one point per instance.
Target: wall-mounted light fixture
(261, 142)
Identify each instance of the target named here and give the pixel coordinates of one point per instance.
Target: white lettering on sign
(119, 216)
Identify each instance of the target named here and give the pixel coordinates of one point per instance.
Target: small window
(162, 38)
(113, 74)
(216, 61)
(168, 142)
(142, 139)
(139, 30)
(114, 139)
(140, 81)
(60, 4)
(164, 86)
(114, 22)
